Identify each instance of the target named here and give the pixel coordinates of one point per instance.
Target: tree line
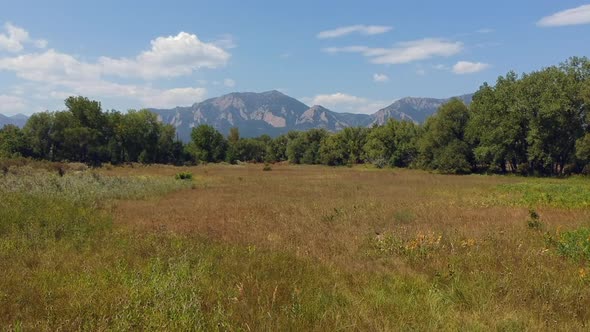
(535, 123)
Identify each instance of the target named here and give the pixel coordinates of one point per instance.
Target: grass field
(294, 248)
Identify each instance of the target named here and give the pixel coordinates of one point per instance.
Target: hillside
(274, 113)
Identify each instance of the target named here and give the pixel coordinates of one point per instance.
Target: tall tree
(443, 146)
(395, 143)
(207, 144)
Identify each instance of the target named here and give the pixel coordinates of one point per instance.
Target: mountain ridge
(18, 120)
(274, 113)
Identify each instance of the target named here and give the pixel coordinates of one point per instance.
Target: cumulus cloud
(170, 56)
(173, 97)
(573, 16)
(466, 67)
(229, 82)
(404, 52)
(49, 66)
(342, 102)
(51, 74)
(359, 28)
(380, 78)
(12, 104)
(15, 38)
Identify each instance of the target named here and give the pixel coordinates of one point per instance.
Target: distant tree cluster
(536, 123)
(85, 133)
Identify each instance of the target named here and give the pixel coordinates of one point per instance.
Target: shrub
(575, 244)
(380, 162)
(404, 216)
(267, 167)
(184, 176)
(534, 221)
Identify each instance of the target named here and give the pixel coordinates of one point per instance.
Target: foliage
(207, 144)
(443, 145)
(531, 124)
(534, 119)
(534, 221)
(84, 186)
(395, 142)
(575, 244)
(573, 193)
(184, 176)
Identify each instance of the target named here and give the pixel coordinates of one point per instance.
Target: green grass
(66, 266)
(88, 187)
(561, 193)
(574, 244)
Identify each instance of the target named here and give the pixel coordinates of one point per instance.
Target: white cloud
(573, 16)
(170, 56)
(49, 66)
(404, 52)
(12, 104)
(466, 67)
(342, 102)
(359, 28)
(51, 75)
(173, 97)
(380, 78)
(15, 38)
(229, 82)
(441, 67)
(226, 41)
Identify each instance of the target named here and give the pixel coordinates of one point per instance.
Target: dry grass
(489, 267)
(313, 248)
(329, 213)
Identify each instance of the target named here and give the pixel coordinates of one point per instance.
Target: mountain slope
(320, 117)
(274, 113)
(18, 120)
(270, 112)
(413, 109)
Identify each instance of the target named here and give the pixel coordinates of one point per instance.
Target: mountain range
(274, 113)
(18, 120)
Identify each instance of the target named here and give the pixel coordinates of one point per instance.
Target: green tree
(139, 132)
(443, 146)
(207, 144)
(38, 131)
(13, 142)
(276, 149)
(498, 125)
(305, 146)
(395, 143)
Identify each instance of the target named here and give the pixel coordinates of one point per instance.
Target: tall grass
(86, 187)
(296, 249)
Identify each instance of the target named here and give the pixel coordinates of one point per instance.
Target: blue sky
(349, 56)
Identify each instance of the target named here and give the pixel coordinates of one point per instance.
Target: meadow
(236, 248)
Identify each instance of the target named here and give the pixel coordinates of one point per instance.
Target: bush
(184, 176)
(575, 244)
(267, 167)
(534, 221)
(380, 162)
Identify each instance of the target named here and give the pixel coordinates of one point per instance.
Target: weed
(184, 176)
(404, 217)
(534, 221)
(575, 244)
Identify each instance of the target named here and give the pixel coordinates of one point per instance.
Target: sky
(349, 56)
